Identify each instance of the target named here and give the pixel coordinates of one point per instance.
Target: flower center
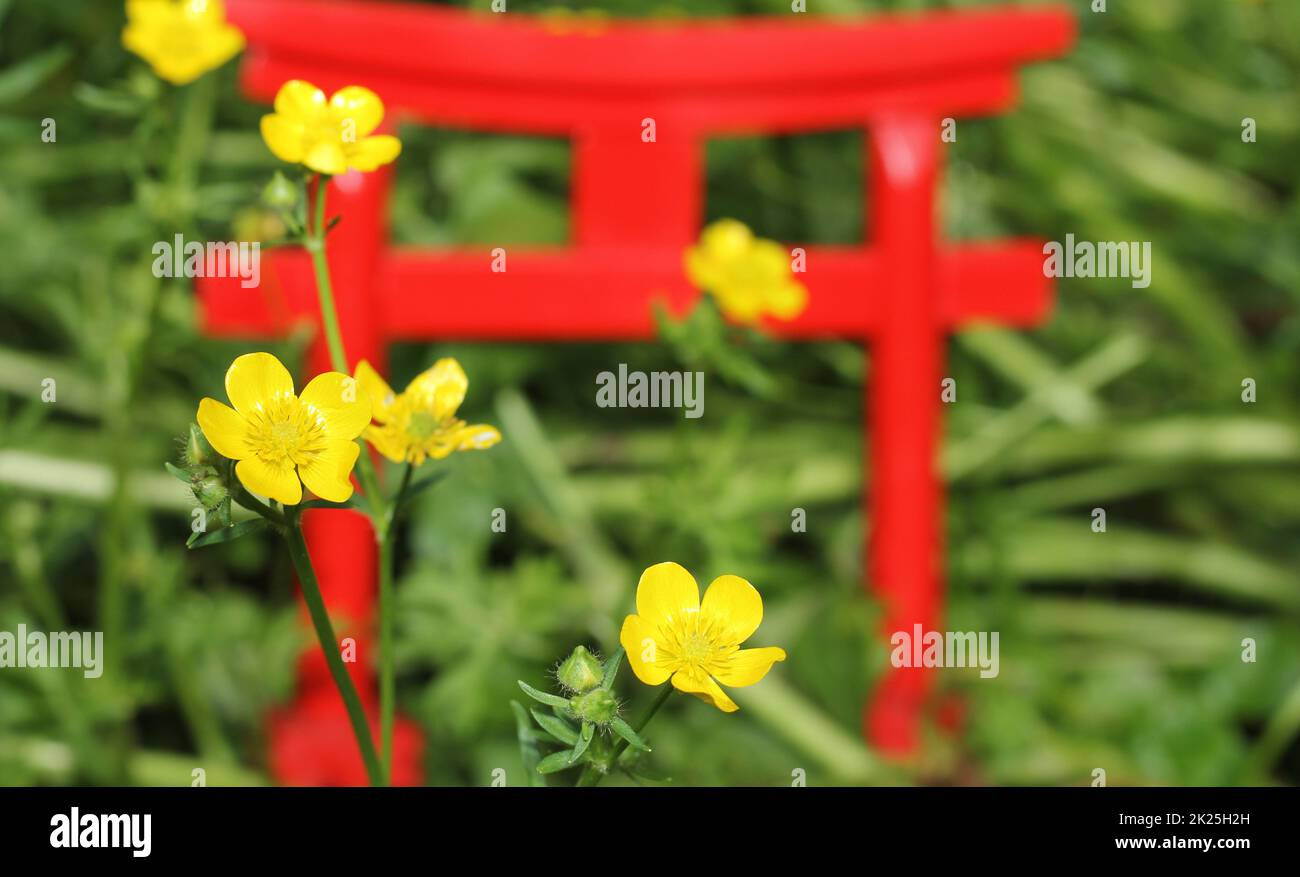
(696, 648)
(285, 431)
(421, 425)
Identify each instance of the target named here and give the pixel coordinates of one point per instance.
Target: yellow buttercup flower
(675, 634)
(328, 136)
(181, 39)
(749, 277)
(279, 438)
(422, 422)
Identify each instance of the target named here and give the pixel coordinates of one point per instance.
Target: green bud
(580, 671)
(198, 452)
(280, 193)
(209, 489)
(597, 705)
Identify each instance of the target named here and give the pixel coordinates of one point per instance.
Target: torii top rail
(637, 204)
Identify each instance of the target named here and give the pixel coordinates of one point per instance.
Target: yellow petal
(224, 428)
(746, 666)
(643, 652)
(387, 442)
(254, 380)
(341, 401)
(788, 300)
(665, 594)
(359, 106)
(222, 44)
(703, 687)
(726, 239)
(279, 481)
(301, 102)
(327, 473)
(440, 389)
(734, 606)
(284, 136)
(371, 152)
(381, 395)
(326, 157)
(476, 437)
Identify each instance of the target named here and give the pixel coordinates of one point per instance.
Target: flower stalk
(329, 643)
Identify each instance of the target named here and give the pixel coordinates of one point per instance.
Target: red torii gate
(636, 206)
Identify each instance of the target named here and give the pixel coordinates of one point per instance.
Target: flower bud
(280, 193)
(580, 671)
(198, 452)
(597, 705)
(209, 489)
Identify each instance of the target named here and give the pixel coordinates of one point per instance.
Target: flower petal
(643, 652)
(746, 666)
(284, 136)
(255, 379)
(224, 428)
(370, 153)
(734, 606)
(326, 157)
(703, 687)
(328, 472)
(788, 300)
(301, 102)
(386, 441)
(440, 389)
(359, 106)
(279, 481)
(665, 594)
(341, 401)
(381, 395)
(476, 437)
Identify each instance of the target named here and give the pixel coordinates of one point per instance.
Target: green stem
(315, 243)
(387, 683)
(330, 645)
(590, 775)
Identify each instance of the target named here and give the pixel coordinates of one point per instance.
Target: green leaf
(556, 727)
(588, 729)
(21, 79)
(542, 696)
(225, 534)
(178, 473)
(326, 504)
(640, 778)
(624, 730)
(611, 669)
(555, 762)
(109, 101)
(527, 745)
(421, 486)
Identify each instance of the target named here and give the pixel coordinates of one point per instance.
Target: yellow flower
(278, 437)
(422, 422)
(749, 277)
(676, 635)
(329, 136)
(181, 39)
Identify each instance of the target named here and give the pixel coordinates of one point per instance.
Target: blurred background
(1121, 651)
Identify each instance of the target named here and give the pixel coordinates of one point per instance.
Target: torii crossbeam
(637, 205)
